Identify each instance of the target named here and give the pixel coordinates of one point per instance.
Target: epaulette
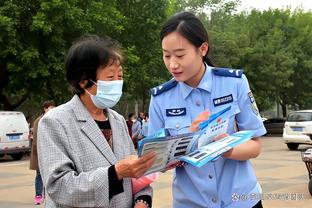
(227, 72)
(163, 87)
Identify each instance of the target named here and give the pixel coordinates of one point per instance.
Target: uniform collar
(204, 84)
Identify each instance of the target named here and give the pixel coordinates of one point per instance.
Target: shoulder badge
(227, 72)
(163, 87)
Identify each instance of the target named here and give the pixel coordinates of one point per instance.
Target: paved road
(281, 173)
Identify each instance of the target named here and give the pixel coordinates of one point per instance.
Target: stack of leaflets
(193, 148)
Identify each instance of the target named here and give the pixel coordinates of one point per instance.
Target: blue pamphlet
(194, 148)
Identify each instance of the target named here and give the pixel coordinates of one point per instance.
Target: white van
(298, 129)
(14, 133)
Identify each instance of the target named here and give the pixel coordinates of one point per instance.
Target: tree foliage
(143, 68)
(274, 47)
(34, 38)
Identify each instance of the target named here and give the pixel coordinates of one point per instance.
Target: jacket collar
(90, 128)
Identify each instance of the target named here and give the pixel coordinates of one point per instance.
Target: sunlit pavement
(281, 173)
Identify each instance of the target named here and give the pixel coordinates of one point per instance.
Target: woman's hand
(202, 117)
(228, 153)
(133, 166)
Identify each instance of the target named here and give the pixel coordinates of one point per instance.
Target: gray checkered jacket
(74, 158)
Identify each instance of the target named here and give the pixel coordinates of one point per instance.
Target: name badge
(223, 100)
(176, 112)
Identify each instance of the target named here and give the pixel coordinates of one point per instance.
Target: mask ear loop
(93, 83)
(88, 92)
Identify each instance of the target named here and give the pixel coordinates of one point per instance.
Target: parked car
(298, 129)
(14, 133)
(264, 119)
(274, 125)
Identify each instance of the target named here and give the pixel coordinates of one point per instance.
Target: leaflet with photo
(194, 148)
(214, 150)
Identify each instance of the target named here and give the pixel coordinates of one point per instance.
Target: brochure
(194, 148)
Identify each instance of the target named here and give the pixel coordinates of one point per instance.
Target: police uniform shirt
(222, 183)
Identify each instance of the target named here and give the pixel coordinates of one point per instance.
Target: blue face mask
(108, 93)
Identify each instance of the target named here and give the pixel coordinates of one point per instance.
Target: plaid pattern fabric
(74, 158)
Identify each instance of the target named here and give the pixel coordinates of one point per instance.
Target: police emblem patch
(253, 104)
(176, 112)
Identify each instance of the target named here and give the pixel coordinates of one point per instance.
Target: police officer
(197, 86)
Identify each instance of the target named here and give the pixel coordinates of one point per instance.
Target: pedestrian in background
(46, 106)
(30, 135)
(145, 125)
(141, 117)
(136, 130)
(130, 123)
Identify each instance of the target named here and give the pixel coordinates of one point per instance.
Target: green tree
(143, 67)
(269, 59)
(300, 44)
(34, 38)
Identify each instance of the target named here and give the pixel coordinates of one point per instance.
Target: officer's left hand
(227, 153)
(202, 117)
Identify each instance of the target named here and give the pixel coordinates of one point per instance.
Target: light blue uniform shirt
(225, 182)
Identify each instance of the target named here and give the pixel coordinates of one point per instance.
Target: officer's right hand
(133, 166)
(203, 116)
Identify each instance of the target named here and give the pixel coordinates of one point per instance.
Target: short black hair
(190, 27)
(46, 104)
(86, 55)
(130, 115)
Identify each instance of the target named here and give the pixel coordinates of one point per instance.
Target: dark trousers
(38, 184)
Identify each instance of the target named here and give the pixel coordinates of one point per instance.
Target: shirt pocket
(177, 126)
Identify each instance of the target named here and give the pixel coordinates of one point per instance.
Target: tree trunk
(10, 107)
(143, 102)
(284, 110)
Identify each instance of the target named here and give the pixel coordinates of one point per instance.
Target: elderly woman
(86, 156)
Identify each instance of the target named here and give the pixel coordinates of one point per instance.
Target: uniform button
(197, 103)
(210, 176)
(177, 125)
(214, 199)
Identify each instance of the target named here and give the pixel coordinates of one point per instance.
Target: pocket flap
(177, 124)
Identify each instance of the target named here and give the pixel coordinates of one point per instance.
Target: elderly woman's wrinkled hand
(133, 166)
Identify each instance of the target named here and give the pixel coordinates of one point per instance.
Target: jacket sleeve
(64, 185)
(147, 190)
